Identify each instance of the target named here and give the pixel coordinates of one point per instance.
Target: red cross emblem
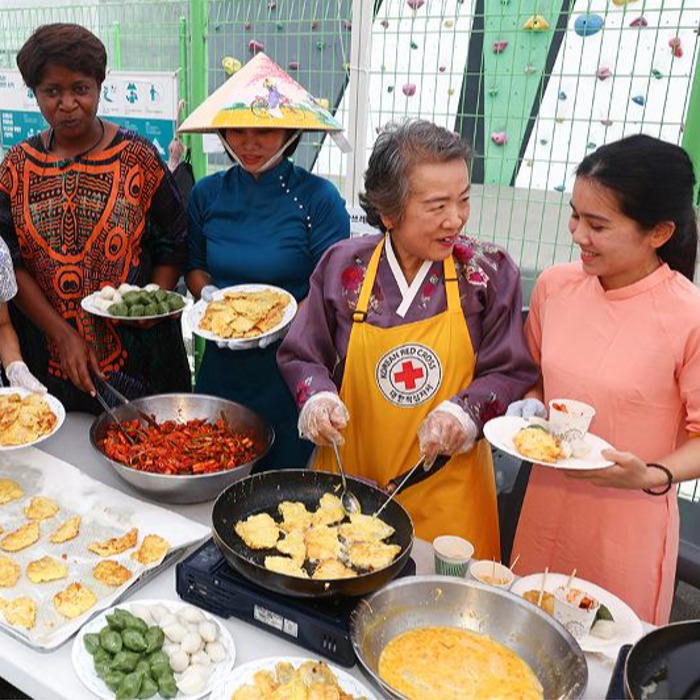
(408, 375)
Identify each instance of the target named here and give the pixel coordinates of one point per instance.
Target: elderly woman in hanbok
(411, 340)
(620, 330)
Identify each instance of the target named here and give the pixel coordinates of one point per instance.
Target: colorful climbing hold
(347, 25)
(448, 23)
(639, 100)
(536, 23)
(588, 24)
(676, 48)
(500, 138)
(346, 66)
(255, 46)
(493, 90)
(442, 69)
(591, 145)
(382, 68)
(384, 23)
(530, 69)
(320, 45)
(414, 45)
(543, 142)
(323, 102)
(248, 26)
(606, 122)
(271, 5)
(639, 22)
(279, 26)
(409, 89)
(656, 73)
(293, 65)
(499, 46)
(314, 24)
(450, 91)
(390, 89)
(562, 95)
(415, 4)
(603, 73)
(622, 3)
(559, 120)
(230, 65)
(560, 188)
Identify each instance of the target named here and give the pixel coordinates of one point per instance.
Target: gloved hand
(322, 417)
(446, 430)
(527, 408)
(207, 292)
(19, 375)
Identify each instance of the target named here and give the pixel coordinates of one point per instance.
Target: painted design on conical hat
(260, 95)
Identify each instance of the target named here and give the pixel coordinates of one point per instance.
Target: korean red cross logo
(408, 375)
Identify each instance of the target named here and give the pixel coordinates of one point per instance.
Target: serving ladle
(347, 498)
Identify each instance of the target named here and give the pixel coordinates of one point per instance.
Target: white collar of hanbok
(408, 292)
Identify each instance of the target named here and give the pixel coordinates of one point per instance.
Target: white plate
(54, 404)
(500, 431)
(244, 674)
(89, 306)
(270, 336)
(629, 628)
(84, 667)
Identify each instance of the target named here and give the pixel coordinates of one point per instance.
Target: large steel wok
(263, 492)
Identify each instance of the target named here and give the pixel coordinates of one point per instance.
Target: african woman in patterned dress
(82, 205)
(410, 341)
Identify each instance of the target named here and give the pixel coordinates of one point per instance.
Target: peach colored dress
(634, 354)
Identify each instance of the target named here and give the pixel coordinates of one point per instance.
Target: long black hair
(653, 181)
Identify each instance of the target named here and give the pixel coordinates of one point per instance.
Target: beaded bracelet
(669, 476)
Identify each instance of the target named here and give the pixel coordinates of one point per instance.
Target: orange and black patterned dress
(79, 224)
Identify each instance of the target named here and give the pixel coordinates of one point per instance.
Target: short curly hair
(61, 44)
(400, 147)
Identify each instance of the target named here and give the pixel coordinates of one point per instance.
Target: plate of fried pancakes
(531, 440)
(244, 315)
(27, 418)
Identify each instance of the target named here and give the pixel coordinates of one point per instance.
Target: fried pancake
(10, 405)
(547, 600)
(322, 543)
(74, 600)
(46, 569)
(293, 544)
(21, 538)
(294, 516)
(111, 572)
(10, 491)
(10, 571)
(67, 531)
(153, 548)
(115, 545)
(285, 565)
(365, 528)
(372, 555)
(537, 445)
(244, 314)
(41, 508)
(20, 612)
(330, 510)
(258, 531)
(332, 569)
(24, 420)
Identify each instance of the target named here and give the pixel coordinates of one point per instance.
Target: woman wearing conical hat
(264, 220)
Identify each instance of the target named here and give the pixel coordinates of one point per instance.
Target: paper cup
(569, 419)
(491, 573)
(575, 609)
(452, 555)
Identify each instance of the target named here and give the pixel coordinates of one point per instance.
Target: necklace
(82, 154)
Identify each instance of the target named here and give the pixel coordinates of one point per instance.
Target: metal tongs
(141, 415)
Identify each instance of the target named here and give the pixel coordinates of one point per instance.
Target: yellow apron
(393, 378)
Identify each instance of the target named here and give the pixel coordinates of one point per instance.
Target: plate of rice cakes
(244, 315)
(27, 418)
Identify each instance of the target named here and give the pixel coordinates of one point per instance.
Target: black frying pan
(665, 663)
(263, 492)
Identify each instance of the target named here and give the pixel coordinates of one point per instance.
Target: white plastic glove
(527, 408)
(207, 292)
(446, 430)
(322, 418)
(19, 375)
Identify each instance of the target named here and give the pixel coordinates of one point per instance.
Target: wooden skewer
(571, 578)
(544, 581)
(515, 561)
(493, 569)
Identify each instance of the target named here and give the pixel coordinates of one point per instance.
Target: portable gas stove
(205, 579)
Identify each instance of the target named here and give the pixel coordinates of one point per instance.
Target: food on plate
(547, 603)
(365, 528)
(285, 565)
(560, 407)
(258, 531)
(132, 301)
(46, 569)
(171, 447)
(115, 545)
(152, 549)
(372, 555)
(575, 609)
(535, 443)
(74, 600)
(294, 516)
(240, 315)
(19, 612)
(111, 573)
(21, 538)
(41, 508)
(67, 531)
(10, 571)
(293, 544)
(330, 510)
(577, 598)
(450, 663)
(332, 569)
(9, 491)
(24, 419)
(311, 680)
(322, 543)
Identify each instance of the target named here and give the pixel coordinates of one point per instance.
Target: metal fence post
(198, 82)
(691, 127)
(117, 39)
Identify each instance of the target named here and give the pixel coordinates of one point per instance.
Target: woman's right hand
(78, 360)
(322, 418)
(527, 408)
